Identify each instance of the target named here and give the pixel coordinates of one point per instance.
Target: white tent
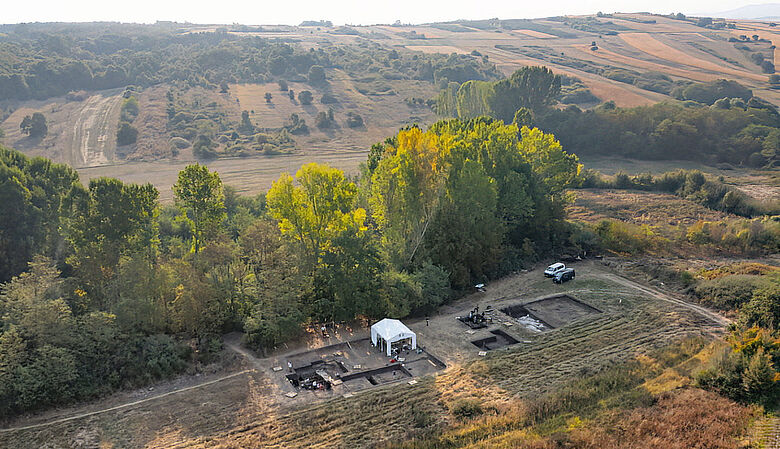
(388, 331)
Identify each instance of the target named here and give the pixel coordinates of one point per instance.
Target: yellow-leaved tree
(406, 189)
(315, 207)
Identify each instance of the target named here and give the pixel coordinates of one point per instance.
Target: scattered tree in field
(283, 85)
(268, 97)
(203, 148)
(317, 75)
(246, 126)
(127, 134)
(530, 87)
(35, 125)
(354, 120)
(200, 199)
(291, 94)
(305, 97)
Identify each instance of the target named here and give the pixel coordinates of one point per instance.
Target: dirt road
(125, 405)
(93, 134)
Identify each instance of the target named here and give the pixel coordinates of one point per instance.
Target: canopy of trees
(34, 125)
(735, 132)
(46, 60)
(530, 87)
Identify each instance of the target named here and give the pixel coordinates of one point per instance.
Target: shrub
(354, 120)
(328, 99)
(296, 125)
(322, 121)
(180, 143)
(305, 97)
(126, 134)
(466, 409)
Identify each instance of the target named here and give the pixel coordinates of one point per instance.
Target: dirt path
(125, 405)
(93, 137)
(721, 321)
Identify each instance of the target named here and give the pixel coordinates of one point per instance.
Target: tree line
(718, 122)
(105, 287)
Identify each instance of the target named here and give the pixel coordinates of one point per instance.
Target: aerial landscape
(538, 230)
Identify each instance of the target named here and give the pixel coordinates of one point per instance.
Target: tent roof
(389, 328)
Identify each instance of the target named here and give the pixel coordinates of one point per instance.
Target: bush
(282, 85)
(317, 75)
(466, 409)
(328, 99)
(354, 120)
(126, 134)
(129, 110)
(180, 143)
(729, 292)
(305, 97)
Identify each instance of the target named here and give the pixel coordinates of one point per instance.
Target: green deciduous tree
(200, 199)
(111, 220)
(34, 125)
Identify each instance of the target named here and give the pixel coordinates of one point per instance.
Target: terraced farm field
(648, 44)
(239, 412)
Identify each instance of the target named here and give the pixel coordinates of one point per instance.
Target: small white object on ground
(291, 394)
(482, 353)
(277, 368)
(413, 382)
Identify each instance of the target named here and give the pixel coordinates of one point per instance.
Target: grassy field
(240, 412)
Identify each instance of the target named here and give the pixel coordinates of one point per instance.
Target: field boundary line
(125, 405)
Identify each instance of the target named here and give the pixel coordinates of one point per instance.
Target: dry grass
(151, 124)
(622, 94)
(642, 64)
(739, 268)
(446, 49)
(681, 419)
(640, 208)
(536, 34)
(650, 45)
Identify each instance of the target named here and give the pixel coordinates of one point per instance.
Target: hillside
(387, 75)
(545, 234)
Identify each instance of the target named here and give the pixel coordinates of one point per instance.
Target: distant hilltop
(763, 11)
